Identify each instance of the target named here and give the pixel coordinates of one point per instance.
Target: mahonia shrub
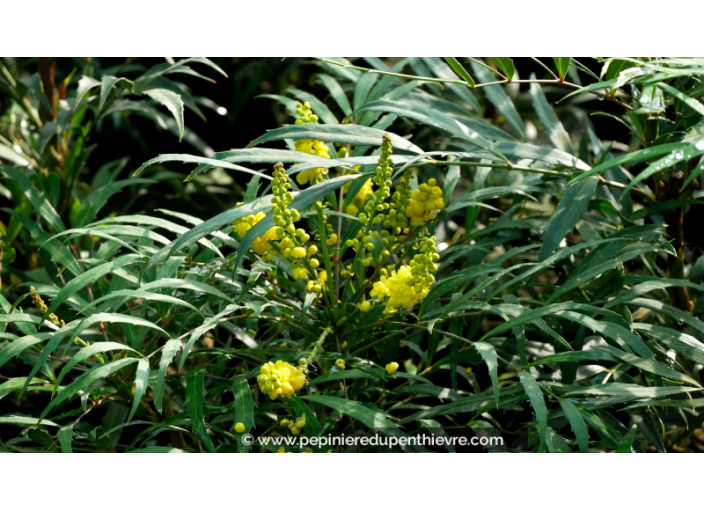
(406, 258)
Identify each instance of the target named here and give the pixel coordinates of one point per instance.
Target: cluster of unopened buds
(41, 306)
(295, 426)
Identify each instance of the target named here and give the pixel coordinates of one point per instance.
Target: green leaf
(194, 404)
(573, 204)
(650, 101)
(531, 315)
(370, 418)
(553, 127)
(577, 424)
(454, 282)
(552, 156)
(178, 283)
(563, 65)
(98, 198)
(632, 391)
(626, 444)
(498, 97)
(65, 437)
(677, 156)
(362, 89)
(198, 232)
(578, 278)
(336, 91)
(141, 380)
(617, 333)
(106, 85)
(673, 312)
(506, 66)
(631, 157)
(173, 102)
(84, 381)
(39, 203)
(687, 345)
(167, 356)
(89, 277)
(354, 373)
(17, 383)
(129, 295)
(461, 71)
(537, 401)
(86, 353)
(573, 356)
(113, 318)
(430, 117)
(85, 84)
(244, 411)
(349, 133)
(16, 347)
(650, 286)
(689, 101)
(488, 354)
(649, 365)
(186, 158)
(25, 421)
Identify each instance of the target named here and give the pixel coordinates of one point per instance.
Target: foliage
(437, 249)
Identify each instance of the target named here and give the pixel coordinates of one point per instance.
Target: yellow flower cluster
(405, 287)
(295, 426)
(308, 146)
(280, 379)
(262, 246)
(243, 225)
(399, 290)
(425, 202)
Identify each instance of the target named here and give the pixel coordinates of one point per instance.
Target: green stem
(326, 255)
(317, 346)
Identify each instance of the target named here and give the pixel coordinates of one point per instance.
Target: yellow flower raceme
(309, 146)
(400, 290)
(280, 379)
(425, 202)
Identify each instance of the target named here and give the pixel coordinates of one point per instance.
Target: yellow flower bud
(239, 427)
(392, 367)
(365, 306)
